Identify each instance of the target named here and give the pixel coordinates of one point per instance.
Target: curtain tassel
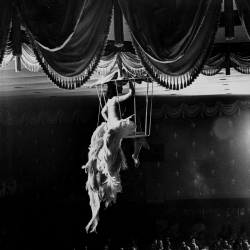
(178, 88)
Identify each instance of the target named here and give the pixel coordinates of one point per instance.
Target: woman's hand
(131, 86)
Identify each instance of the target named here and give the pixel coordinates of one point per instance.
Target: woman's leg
(137, 149)
(138, 143)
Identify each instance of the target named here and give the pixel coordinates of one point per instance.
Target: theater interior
(197, 171)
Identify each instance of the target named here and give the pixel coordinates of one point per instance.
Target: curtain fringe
(105, 69)
(169, 81)
(73, 82)
(6, 36)
(243, 70)
(164, 111)
(211, 72)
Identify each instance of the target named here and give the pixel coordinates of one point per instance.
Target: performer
(106, 158)
(111, 113)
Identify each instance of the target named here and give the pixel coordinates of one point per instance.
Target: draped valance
(86, 116)
(129, 61)
(172, 38)
(5, 25)
(214, 64)
(239, 61)
(70, 65)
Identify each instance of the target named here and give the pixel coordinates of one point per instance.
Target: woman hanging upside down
(105, 157)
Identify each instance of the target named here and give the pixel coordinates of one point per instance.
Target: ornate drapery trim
(240, 62)
(164, 111)
(5, 26)
(182, 69)
(213, 65)
(129, 61)
(200, 109)
(59, 116)
(76, 81)
(106, 64)
(8, 55)
(132, 63)
(28, 57)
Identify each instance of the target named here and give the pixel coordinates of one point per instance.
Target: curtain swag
(43, 117)
(164, 111)
(68, 38)
(130, 62)
(239, 61)
(71, 64)
(213, 65)
(5, 25)
(172, 50)
(243, 7)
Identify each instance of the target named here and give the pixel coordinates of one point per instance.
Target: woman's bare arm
(104, 113)
(128, 95)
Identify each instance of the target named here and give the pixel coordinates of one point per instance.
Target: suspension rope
(135, 107)
(151, 110)
(117, 94)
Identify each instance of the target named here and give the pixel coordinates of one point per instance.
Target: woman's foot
(136, 161)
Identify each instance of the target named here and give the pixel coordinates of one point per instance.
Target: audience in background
(11, 236)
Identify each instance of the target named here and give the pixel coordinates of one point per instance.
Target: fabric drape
(28, 58)
(164, 111)
(213, 65)
(70, 61)
(243, 7)
(129, 61)
(172, 38)
(51, 23)
(5, 24)
(106, 64)
(240, 62)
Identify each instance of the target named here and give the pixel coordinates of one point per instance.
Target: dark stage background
(198, 166)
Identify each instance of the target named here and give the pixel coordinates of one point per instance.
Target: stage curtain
(106, 64)
(28, 57)
(68, 42)
(7, 55)
(129, 61)
(132, 63)
(5, 24)
(213, 65)
(243, 7)
(240, 62)
(172, 38)
(84, 116)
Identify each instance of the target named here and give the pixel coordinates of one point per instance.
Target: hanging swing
(148, 113)
(148, 102)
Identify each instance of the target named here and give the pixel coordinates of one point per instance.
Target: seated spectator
(201, 241)
(245, 245)
(225, 245)
(160, 245)
(184, 246)
(213, 239)
(193, 245)
(167, 243)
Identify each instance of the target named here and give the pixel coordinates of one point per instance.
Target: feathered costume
(105, 160)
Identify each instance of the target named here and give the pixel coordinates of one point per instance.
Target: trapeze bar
(138, 134)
